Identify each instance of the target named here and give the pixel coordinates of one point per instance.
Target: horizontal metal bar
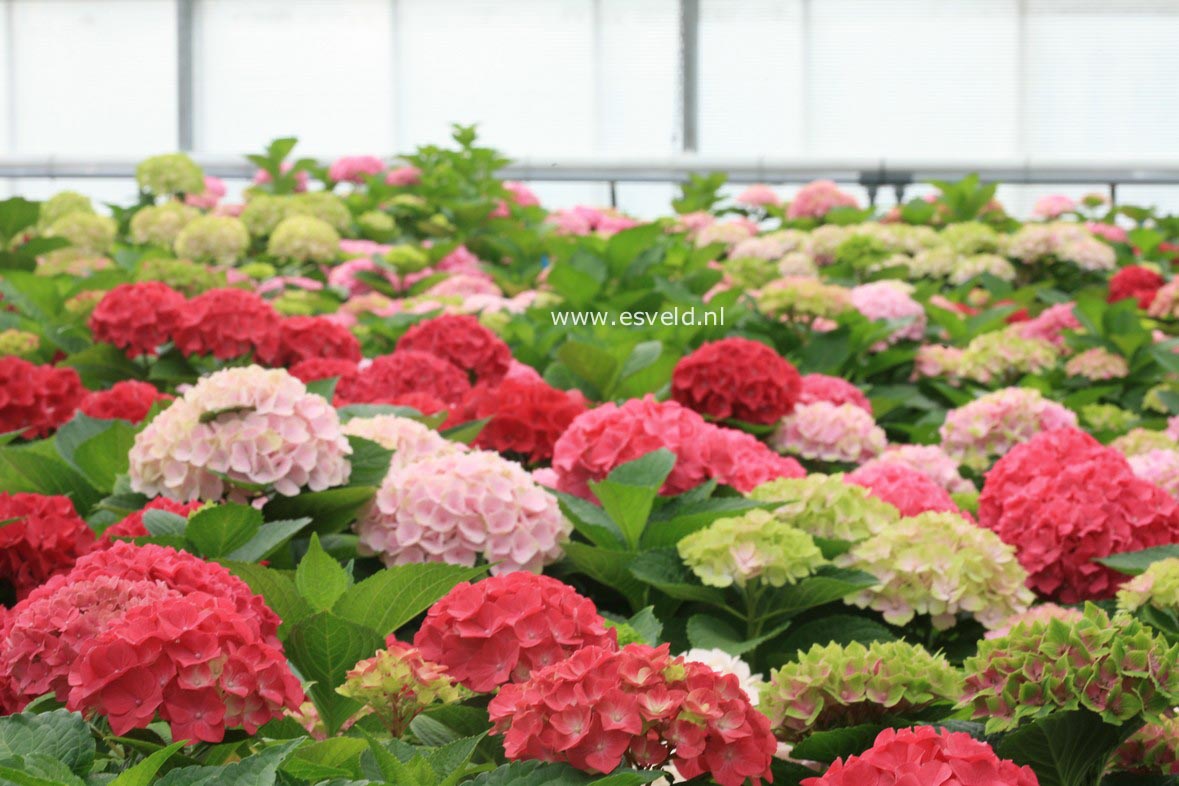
(739, 170)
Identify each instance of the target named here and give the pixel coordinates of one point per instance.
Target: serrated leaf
(330, 511)
(608, 567)
(269, 537)
(629, 491)
(369, 460)
(24, 468)
(96, 448)
(101, 366)
(1065, 748)
(591, 521)
(1133, 563)
(163, 523)
(663, 570)
(59, 734)
(466, 433)
(535, 773)
(260, 769)
(827, 746)
(219, 530)
(675, 521)
(276, 588)
(320, 579)
(827, 585)
(392, 597)
(324, 647)
(708, 632)
(143, 772)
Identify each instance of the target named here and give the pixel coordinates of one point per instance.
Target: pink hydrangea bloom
(906, 489)
(730, 232)
(522, 195)
(465, 285)
(694, 222)
(254, 425)
(354, 169)
(1111, 232)
(991, 425)
(1160, 467)
(816, 199)
(362, 248)
(407, 438)
(739, 460)
(758, 195)
(821, 387)
(930, 460)
(1053, 206)
(938, 360)
(214, 192)
(345, 275)
(456, 507)
(404, 176)
(262, 177)
(583, 220)
(829, 432)
(890, 300)
(1050, 324)
(279, 283)
(1097, 364)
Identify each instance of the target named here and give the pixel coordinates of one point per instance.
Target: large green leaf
(1134, 562)
(58, 734)
(324, 647)
(330, 511)
(269, 537)
(392, 597)
(834, 629)
(143, 772)
(276, 588)
(676, 520)
(320, 579)
(825, 586)
(608, 567)
(629, 491)
(827, 746)
(708, 632)
(29, 468)
(535, 773)
(96, 448)
(16, 214)
(591, 521)
(1065, 748)
(218, 531)
(102, 365)
(370, 462)
(663, 569)
(260, 769)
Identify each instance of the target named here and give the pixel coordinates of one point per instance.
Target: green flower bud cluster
(753, 546)
(826, 507)
(61, 205)
(1137, 441)
(835, 686)
(20, 343)
(397, 683)
(751, 272)
(1002, 354)
(86, 232)
(1157, 586)
(806, 297)
(1117, 668)
(219, 239)
(407, 259)
(172, 173)
(972, 237)
(304, 238)
(183, 275)
(1107, 417)
(160, 224)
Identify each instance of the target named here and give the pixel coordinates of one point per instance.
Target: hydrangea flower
(797, 297)
(456, 507)
(409, 439)
(890, 300)
(304, 238)
(255, 426)
(723, 663)
(302, 338)
(171, 173)
(62, 204)
(993, 424)
(42, 537)
(835, 390)
(35, 400)
(829, 432)
(1160, 467)
(968, 267)
(1064, 500)
(1153, 749)
(462, 341)
(185, 276)
(1137, 282)
(1041, 612)
(129, 400)
(924, 755)
(527, 416)
(504, 628)
(738, 459)
(908, 490)
(755, 545)
(1097, 364)
(19, 343)
(137, 318)
(1064, 242)
(942, 565)
(736, 378)
(86, 232)
(1138, 441)
(1157, 586)
(600, 706)
(758, 195)
(930, 460)
(1117, 668)
(226, 323)
(826, 507)
(1050, 324)
(263, 213)
(354, 169)
(1004, 354)
(160, 224)
(832, 686)
(397, 683)
(222, 240)
(817, 198)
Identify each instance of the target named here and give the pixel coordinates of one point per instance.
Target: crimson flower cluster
(137, 318)
(601, 707)
(505, 627)
(527, 416)
(45, 539)
(34, 399)
(737, 378)
(1063, 500)
(388, 378)
(127, 400)
(1135, 281)
(307, 338)
(227, 323)
(461, 340)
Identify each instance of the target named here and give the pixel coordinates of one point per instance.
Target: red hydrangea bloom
(405, 371)
(1062, 499)
(742, 461)
(36, 399)
(925, 755)
(132, 525)
(227, 323)
(46, 538)
(464, 342)
(527, 416)
(137, 318)
(737, 378)
(1134, 281)
(305, 338)
(45, 633)
(127, 400)
(821, 387)
(314, 369)
(600, 439)
(909, 491)
(182, 572)
(194, 660)
(601, 707)
(506, 627)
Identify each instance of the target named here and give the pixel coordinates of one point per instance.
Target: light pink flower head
(465, 285)
(730, 233)
(930, 460)
(816, 199)
(354, 169)
(1053, 206)
(522, 195)
(208, 199)
(829, 432)
(1160, 467)
(758, 195)
(1111, 232)
(1097, 364)
(362, 248)
(408, 439)
(993, 424)
(457, 507)
(1050, 324)
(891, 301)
(403, 176)
(262, 177)
(694, 222)
(346, 275)
(253, 425)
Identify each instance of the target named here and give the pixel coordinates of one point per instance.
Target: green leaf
(330, 511)
(1134, 562)
(827, 585)
(827, 746)
(535, 773)
(324, 648)
(213, 414)
(591, 521)
(630, 489)
(96, 448)
(24, 468)
(1065, 748)
(454, 756)
(320, 579)
(369, 460)
(217, 531)
(330, 758)
(663, 570)
(392, 597)
(708, 632)
(143, 772)
(260, 769)
(58, 734)
(834, 629)
(269, 537)
(37, 769)
(101, 366)
(647, 625)
(642, 356)
(607, 567)
(466, 433)
(276, 588)
(673, 522)
(325, 388)
(16, 214)
(163, 523)
(594, 365)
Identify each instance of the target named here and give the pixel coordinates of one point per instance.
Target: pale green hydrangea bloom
(756, 545)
